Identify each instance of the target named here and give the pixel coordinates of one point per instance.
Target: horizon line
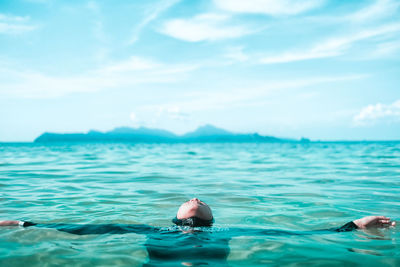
(133, 142)
(195, 129)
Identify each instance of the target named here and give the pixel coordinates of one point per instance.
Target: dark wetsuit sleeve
(234, 232)
(350, 226)
(96, 229)
(27, 224)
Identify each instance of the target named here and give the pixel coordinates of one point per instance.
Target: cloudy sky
(323, 69)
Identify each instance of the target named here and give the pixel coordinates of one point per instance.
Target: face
(194, 208)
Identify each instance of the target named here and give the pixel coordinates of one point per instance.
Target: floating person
(193, 241)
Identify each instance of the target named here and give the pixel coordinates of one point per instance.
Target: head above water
(194, 213)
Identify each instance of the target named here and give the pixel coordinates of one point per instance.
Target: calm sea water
(297, 187)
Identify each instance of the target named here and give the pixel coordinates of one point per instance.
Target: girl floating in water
(193, 241)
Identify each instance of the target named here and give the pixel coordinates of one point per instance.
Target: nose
(195, 199)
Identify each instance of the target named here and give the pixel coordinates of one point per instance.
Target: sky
(321, 69)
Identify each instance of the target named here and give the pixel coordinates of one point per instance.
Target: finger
(386, 223)
(382, 217)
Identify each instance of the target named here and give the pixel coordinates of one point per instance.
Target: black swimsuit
(171, 246)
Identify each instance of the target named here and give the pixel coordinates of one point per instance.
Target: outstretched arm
(363, 223)
(98, 229)
(88, 229)
(366, 222)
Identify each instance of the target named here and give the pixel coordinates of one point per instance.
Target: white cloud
(247, 96)
(377, 10)
(132, 64)
(205, 27)
(386, 49)
(15, 24)
(40, 1)
(102, 49)
(18, 82)
(332, 47)
(13, 18)
(159, 116)
(155, 12)
(372, 114)
(182, 114)
(93, 5)
(172, 112)
(269, 7)
(14, 29)
(133, 116)
(298, 56)
(236, 54)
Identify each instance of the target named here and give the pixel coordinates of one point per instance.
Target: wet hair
(192, 222)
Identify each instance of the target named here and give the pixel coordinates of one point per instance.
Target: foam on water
(295, 187)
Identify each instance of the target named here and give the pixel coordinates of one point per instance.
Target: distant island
(204, 134)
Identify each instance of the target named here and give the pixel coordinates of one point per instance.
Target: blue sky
(321, 69)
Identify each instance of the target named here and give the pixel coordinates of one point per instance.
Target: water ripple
(284, 186)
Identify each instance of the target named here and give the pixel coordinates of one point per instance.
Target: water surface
(297, 187)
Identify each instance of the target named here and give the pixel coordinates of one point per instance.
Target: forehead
(195, 203)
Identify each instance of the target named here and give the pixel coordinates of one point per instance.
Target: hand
(373, 221)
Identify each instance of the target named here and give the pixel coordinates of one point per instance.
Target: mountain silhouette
(207, 130)
(206, 133)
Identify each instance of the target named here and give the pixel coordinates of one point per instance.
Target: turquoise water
(297, 187)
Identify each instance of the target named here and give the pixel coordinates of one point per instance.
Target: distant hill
(207, 130)
(206, 133)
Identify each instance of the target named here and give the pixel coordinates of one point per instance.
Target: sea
(292, 187)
